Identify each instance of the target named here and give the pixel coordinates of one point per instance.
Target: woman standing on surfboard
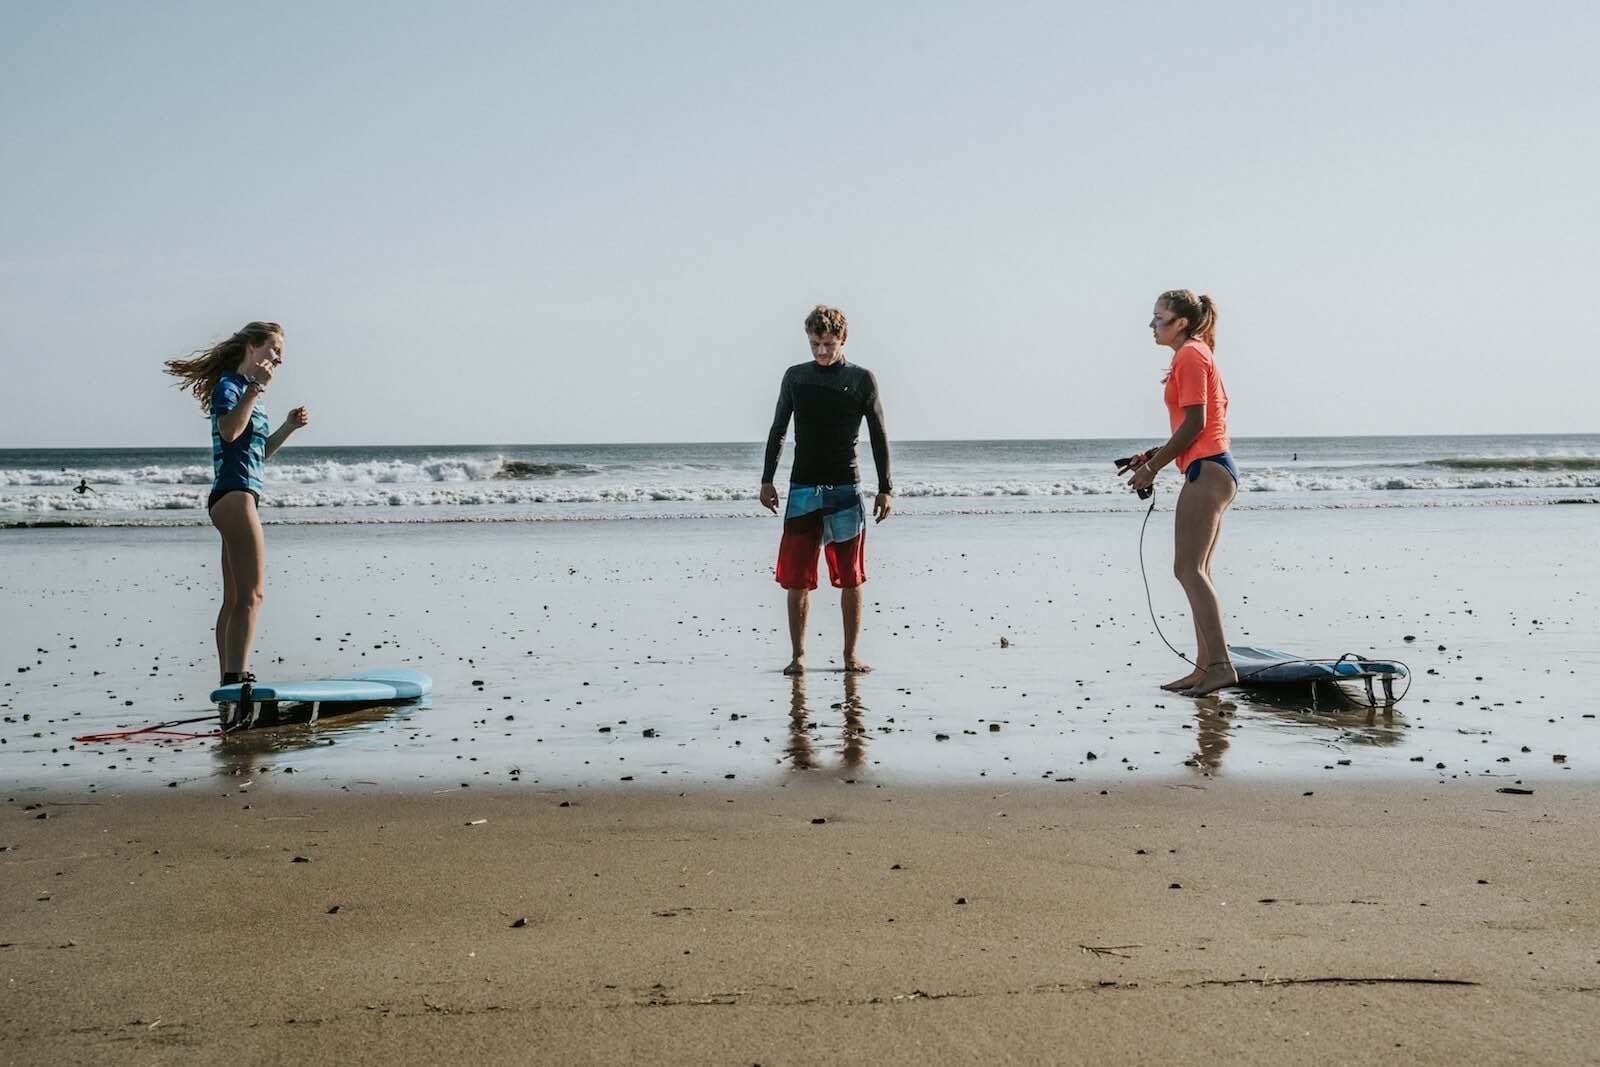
(229, 379)
(1197, 410)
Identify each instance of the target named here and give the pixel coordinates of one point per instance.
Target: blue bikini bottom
(1222, 459)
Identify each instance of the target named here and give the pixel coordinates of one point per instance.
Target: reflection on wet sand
(244, 752)
(1324, 708)
(1212, 722)
(805, 734)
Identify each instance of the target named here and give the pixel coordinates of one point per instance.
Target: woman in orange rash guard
(1197, 406)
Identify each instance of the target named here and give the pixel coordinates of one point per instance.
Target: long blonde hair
(200, 372)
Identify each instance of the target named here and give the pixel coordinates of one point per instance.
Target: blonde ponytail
(1201, 311)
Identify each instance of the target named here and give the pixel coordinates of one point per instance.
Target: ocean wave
(496, 478)
(1516, 463)
(191, 474)
(372, 472)
(522, 470)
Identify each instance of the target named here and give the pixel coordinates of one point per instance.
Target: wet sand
(555, 648)
(1438, 923)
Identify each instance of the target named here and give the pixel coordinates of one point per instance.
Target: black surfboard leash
(1150, 605)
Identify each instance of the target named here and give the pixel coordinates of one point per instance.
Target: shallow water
(586, 635)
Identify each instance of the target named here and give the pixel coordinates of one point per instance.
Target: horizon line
(758, 442)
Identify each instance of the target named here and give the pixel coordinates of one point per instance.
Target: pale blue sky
(537, 223)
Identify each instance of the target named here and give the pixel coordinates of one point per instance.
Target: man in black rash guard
(827, 398)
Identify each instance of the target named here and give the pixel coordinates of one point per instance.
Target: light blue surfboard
(407, 683)
(397, 684)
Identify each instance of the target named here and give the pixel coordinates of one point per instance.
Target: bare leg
(1199, 522)
(229, 596)
(1192, 543)
(1202, 654)
(850, 607)
(235, 518)
(799, 603)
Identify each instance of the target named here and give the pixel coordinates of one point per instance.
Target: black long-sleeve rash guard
(827, 404)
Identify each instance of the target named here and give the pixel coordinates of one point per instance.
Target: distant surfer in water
(1197, 409)
(827, 398)
(229, 379)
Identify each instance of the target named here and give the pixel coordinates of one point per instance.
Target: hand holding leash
(1143, 477)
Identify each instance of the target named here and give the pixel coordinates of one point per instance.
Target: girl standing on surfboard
(229, 379)
(1197, 410)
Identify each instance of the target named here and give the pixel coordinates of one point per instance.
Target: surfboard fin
(245, 710)
(248, 708)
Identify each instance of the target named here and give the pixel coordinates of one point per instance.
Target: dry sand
(1439, 922)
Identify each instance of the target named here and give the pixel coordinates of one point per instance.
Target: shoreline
(976, 511)
(1262, 923)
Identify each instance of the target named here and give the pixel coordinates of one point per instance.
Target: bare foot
(796, 666)
(855, 666)
(1185, 682)
(1217, 676)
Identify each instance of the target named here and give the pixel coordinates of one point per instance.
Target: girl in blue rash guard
(229, 379)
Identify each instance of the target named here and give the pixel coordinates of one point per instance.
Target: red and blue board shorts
(829, 517)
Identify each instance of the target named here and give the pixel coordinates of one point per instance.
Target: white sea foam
(531, 482)
(641, 476)
(283, 493)
(375, 472)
